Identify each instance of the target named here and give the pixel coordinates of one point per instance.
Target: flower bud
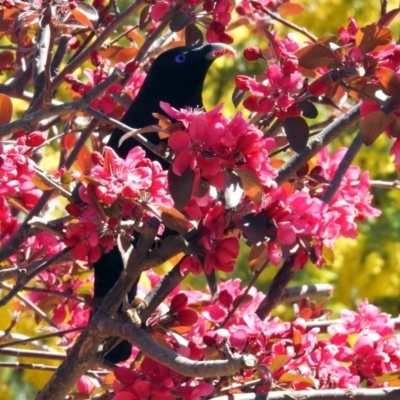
(35, 139)
(95, 58)
(73, 43)
(73, 210)
(69, 78)
(252, 53)
(131, 67)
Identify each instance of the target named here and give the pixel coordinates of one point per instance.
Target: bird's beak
(220, 49)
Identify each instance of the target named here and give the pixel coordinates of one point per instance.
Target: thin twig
(64, 295)
(290, 25)
(323, 325)
(21, 339)
(243, 295)
(40, 313)
(18, 365)
(13, 352)
(386, 184)
(344, 165)
(28, 121)
(57, 259)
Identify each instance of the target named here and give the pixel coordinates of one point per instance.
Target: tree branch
(342, 168)
(326, 394)
(57, 259)
(28, 121)
(296, 293)
(278, 284)
(205, 369)
(13, 352)
(107, 32)
(326, 136)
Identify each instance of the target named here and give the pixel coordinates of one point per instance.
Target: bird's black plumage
(175, 77)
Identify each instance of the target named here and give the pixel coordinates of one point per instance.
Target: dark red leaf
(193, 35)
(179, 302)
(144, 18)
(373, 38)
(388, 79)
(387, 18)
(45, 17)
(315, 55)
(297, 133)
(308, 109)
(187, 317)
(372, 125)
(179, 21)
(237, 96)
(326, 101)
(180, 187)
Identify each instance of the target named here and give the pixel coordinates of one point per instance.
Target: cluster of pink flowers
(282, 85)
(360, 348)
(123, 183)
(16, 173)
(212, 143)
(16, 183)
(220, 12)
(305, 223)
(221, 250)
(212, 146)
(135, 177)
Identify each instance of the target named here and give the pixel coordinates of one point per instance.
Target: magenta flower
(276, 92)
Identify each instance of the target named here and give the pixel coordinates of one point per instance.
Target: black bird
(175, 77)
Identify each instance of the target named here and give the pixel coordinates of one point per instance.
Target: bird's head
(179, 73)
(178, 60)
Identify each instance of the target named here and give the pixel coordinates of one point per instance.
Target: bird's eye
(180, 58)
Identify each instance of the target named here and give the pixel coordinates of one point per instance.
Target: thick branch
(28, 121)
(327, 394)
(276, 289)
(41, 65)
(84, 354)
(182, 365)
